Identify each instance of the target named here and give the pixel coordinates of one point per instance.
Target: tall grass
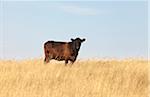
(85, 78)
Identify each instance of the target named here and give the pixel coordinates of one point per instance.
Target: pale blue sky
(111, 28)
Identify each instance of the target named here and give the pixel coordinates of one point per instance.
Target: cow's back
(58, 50)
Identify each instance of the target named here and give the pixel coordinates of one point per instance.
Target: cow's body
(67, 51)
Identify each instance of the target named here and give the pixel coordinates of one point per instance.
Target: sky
(113, 29)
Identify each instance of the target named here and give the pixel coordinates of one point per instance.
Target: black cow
(67, 51)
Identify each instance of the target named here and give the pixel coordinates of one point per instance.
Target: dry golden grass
(85, 78)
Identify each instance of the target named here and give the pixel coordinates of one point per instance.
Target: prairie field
(85, 78)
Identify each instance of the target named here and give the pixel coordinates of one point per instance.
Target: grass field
(85, 78)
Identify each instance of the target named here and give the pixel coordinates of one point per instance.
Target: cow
(67, 51)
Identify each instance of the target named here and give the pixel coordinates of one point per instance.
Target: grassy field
(85, 78)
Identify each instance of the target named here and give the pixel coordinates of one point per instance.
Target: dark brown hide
(67, 51)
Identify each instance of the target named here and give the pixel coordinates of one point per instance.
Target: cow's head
(77, 43)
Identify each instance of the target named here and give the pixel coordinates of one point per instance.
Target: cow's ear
(72, 39)
(83, 39)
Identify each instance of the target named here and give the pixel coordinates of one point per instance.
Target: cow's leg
(73, 60)
(50, 57)
(66, 62)
(46, 60)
